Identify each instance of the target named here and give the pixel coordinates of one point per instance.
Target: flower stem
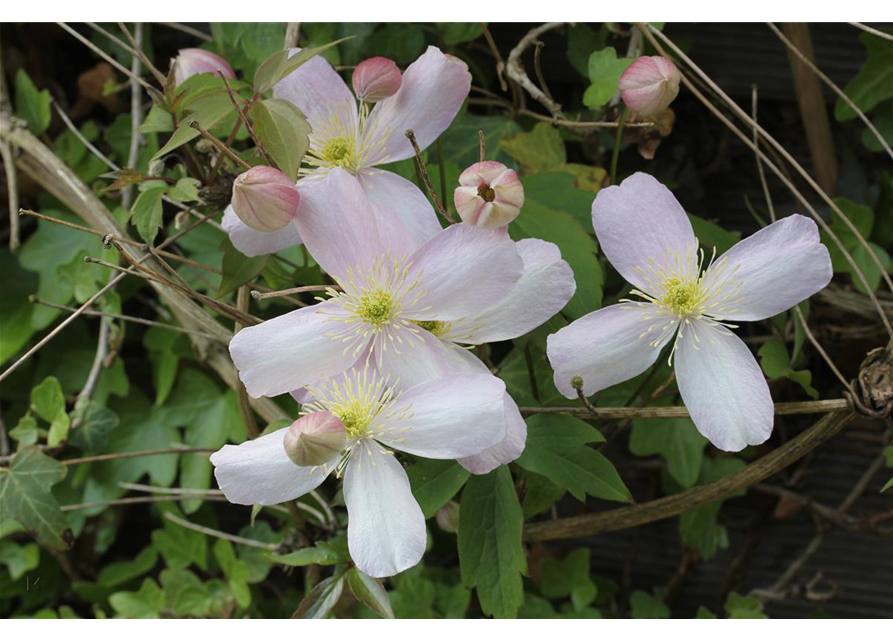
(617, 140)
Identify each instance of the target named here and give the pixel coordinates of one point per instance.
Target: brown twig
(781, 409)
(213, 139)
(625, 517)
(420, 165)
(287, 292)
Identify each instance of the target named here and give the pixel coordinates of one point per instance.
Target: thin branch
(136, 112)
(669, 506)
(583, 124)
(136, 41)
(135, 454)
(760, 171)
(612, 413)
(515, 69)
(872, 31)
(137, 500)
(420, 165)
(248, 542)
(217, 143)
(12, 188)
(124, 318)
(204, 37)
(80, 136)
(500, 63)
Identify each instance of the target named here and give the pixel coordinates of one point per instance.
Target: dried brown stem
(420, 165)
(615, 413)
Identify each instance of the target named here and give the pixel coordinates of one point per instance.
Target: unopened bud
(649, 85)
(264, 198)
(448, 517)
(192, 62)
(376, 79)
(490, 195)
(156, 168)
(577, 383)
(315, 439)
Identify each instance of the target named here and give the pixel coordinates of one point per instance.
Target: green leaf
(888, 453)
(435, 482)
(118, 573)
(186, 190)
(540, 150)
(643, 605)
(321, 599)
(369, 591)
(863, 219)
(605, 70)
(208, 109)
(94, 430)
(569, 578)
(741, 607)
(322, 554)
(279, 65)
(556, 448)
(235, 570)
(699, 528)
(676, 440)
(19, 559)
(32, 106)
(47, 398)
(491, 558)
(711, 235)
(25, 496)
(461, 143)
(148, 212)
(874, 83)
(148, 602)
(58, 429)
(776, 364)
(238, 269)
(284, 133)
(540, 494)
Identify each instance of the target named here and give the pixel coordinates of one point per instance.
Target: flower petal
(386, 527)
(433, 90)
(258, 243)
(449, 418)
(396, 194)
(319, 92)
(640, 224)
(607, 346)
(259, 472)
(771, 271)
(508, 450)
(546, 285)
(340, 227)
(421, 357)
(290, 351)
(723, 387)
(464, 269)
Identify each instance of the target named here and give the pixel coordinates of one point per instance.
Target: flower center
(682, 298)
(346, 137)
(435, 327)
(487, 193)
(376, 307)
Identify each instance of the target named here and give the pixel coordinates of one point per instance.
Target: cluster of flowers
(383, 362)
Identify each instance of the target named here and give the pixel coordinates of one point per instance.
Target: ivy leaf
(238, 269)
(556, 448)
(874, 83)
(644, 605)
(25, 496)
(741, 607)
(148, 212)
(542, 149)
(32, 106)
(699, 527)
(605, 70)
(435, 482)
(284, 133)
(47, 398)
(321, 599)
(235, 570)
(569, 577)
(369, 591)
(148, 602)
(490, 555)
(186, 190)
(676, 440)
(776, 363)
(281, 64)
(94, 430)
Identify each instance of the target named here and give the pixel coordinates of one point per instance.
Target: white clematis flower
(647, 237)
(386, 527)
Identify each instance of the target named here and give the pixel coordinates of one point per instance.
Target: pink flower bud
(264, 198)
(376, 79)
(649, 85)
(315, 439)
(192, 62)
(447, 517)
(490, 195)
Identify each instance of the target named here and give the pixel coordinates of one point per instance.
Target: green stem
(617, 140)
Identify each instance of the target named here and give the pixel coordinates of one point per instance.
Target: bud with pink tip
(315, 439)
(447, 517)
(264, 198)
(192, 62)
(376, 79)
(490, 195)
(649, 85)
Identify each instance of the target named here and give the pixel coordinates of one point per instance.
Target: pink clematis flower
(346, 135)
(489, 195)
(386, 527)
(191, 62)
(646, 235)
(649, 85)
(408, 302)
